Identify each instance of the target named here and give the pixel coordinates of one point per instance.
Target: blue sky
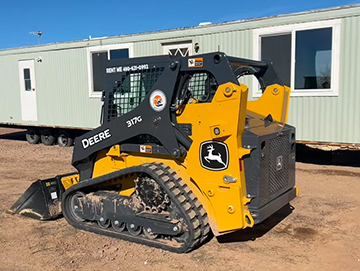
(68, 20)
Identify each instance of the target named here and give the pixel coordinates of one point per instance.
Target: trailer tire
(32, 136)
(47, 137)
(65, 139)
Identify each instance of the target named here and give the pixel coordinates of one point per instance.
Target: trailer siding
(334, 119)
(62, 76)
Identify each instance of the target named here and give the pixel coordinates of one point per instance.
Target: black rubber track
(180, 194)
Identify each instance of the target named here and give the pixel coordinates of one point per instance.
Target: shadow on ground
(19, 135)
(306, 154)
(250, 234)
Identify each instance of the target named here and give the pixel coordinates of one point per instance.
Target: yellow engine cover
(220, 123)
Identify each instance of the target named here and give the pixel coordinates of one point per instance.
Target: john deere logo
(157, 100)
(214, 155)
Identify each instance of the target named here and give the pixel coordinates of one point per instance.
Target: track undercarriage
(162, 212)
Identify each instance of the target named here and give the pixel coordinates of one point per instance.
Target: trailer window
(98, 66)
(119, 54)
(313, 59)
(97, 60)
(305, 55)
(27, 79)
(178, 49)
(277, 49)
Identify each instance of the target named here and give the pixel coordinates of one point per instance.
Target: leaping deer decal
(213, 157)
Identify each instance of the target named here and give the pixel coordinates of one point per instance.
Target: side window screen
(202, 87)
(27, 79)
(131, 91)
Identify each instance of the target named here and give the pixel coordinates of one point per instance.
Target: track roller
(147, 232)
(133, 229)
(118, 226)
(103, 223)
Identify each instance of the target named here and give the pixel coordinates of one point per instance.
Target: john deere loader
(180, 153)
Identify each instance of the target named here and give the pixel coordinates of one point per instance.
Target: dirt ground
(321, 233)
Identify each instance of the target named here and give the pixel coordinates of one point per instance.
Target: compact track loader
(181, 153)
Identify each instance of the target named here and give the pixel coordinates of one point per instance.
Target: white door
(182, 49)
(27, 90)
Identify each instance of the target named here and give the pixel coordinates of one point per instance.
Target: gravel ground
(321, 233)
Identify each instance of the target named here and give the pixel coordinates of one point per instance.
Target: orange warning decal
(195, 62)
(146, 148)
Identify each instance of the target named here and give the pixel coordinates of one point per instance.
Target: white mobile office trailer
(55, 89)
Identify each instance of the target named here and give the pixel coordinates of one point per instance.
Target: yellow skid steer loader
(180, 153)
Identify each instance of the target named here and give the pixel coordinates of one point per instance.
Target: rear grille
(279, 149)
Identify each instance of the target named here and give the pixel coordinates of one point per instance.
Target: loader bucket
(42, 200)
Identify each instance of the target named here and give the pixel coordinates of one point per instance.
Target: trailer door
(27, 90)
